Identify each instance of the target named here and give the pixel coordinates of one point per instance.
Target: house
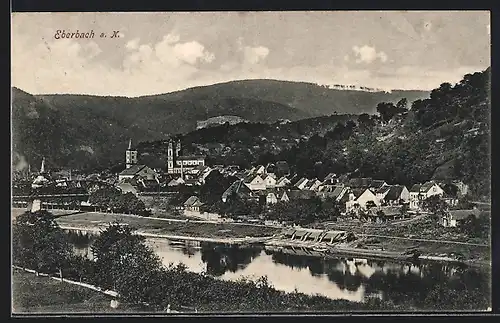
(259, 170)
(255, 182)
(452, 217)
(176, 182)
(301, 183)
(330, 179)
(269, 180)
(463, 188)
(359, 197)
(420, 192)
(137, 171)
(238, 188)
(383, 214)
(312, 185)
(395, 195)
(282, 182)
(127, 186)
(358, 182)
(193, 204)
(377, 184)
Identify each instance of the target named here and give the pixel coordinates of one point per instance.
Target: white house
(420, 192)
(255, 182)
(359, 198)
(270, 181)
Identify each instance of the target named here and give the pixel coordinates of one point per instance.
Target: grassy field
(32, 294)
(473, 253)
(209, 230)
(423, 228)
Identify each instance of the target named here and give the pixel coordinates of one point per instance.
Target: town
(265, 186)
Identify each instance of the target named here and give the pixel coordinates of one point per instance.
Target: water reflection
(339, 278)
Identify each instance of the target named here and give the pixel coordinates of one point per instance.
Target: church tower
(170, 157)
(178, 149)
(130, 155)
(42, 168)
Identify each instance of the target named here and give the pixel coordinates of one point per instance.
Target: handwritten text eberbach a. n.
(63, 34)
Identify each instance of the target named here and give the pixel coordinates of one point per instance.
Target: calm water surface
(337, 278)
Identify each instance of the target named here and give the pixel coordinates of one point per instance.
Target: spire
(130, 144)
(42, 168)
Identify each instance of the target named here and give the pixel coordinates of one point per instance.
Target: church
(176, 162)
(179, 164)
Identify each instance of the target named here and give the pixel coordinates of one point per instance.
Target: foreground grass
(32, 294)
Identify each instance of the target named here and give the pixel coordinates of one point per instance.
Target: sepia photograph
(250, 162)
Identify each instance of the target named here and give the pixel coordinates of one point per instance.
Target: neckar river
(337, 278)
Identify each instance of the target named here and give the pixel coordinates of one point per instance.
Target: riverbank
(368, 244)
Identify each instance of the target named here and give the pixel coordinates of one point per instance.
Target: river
(352, 279)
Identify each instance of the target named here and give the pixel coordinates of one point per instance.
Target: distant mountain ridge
(93, 131)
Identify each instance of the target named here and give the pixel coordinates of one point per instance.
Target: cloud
(367, 54)
(254, 55)
(132, 44)
(191, 52)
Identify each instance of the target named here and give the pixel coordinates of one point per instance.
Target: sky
(164, 52)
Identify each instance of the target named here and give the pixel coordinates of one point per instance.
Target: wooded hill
(88, 132)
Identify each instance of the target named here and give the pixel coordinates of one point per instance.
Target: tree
(402, 104)
(124, 263)
(435, 205)
(387, 110)
(39, 243)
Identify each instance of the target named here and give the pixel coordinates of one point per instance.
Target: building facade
(179, 164)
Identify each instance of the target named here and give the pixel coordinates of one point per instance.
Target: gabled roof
(376, 183)
(330, 177)
(193, 201)
(463, 214)
(360, 182)
(338, 191)
(394, 192)
(415, 188)
(251, 177)
(357, 192)
(383, 189)
(301, 181)
(133, 170)
(237, 187)
(427, 185)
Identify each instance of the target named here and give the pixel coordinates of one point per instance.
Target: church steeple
(42, 168)
(130, 155)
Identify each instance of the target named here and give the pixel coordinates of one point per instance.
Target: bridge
(52, 201)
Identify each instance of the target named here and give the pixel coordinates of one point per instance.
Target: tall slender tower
(130, 155)
(170, 157)
(42, 168)
(178, 149)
